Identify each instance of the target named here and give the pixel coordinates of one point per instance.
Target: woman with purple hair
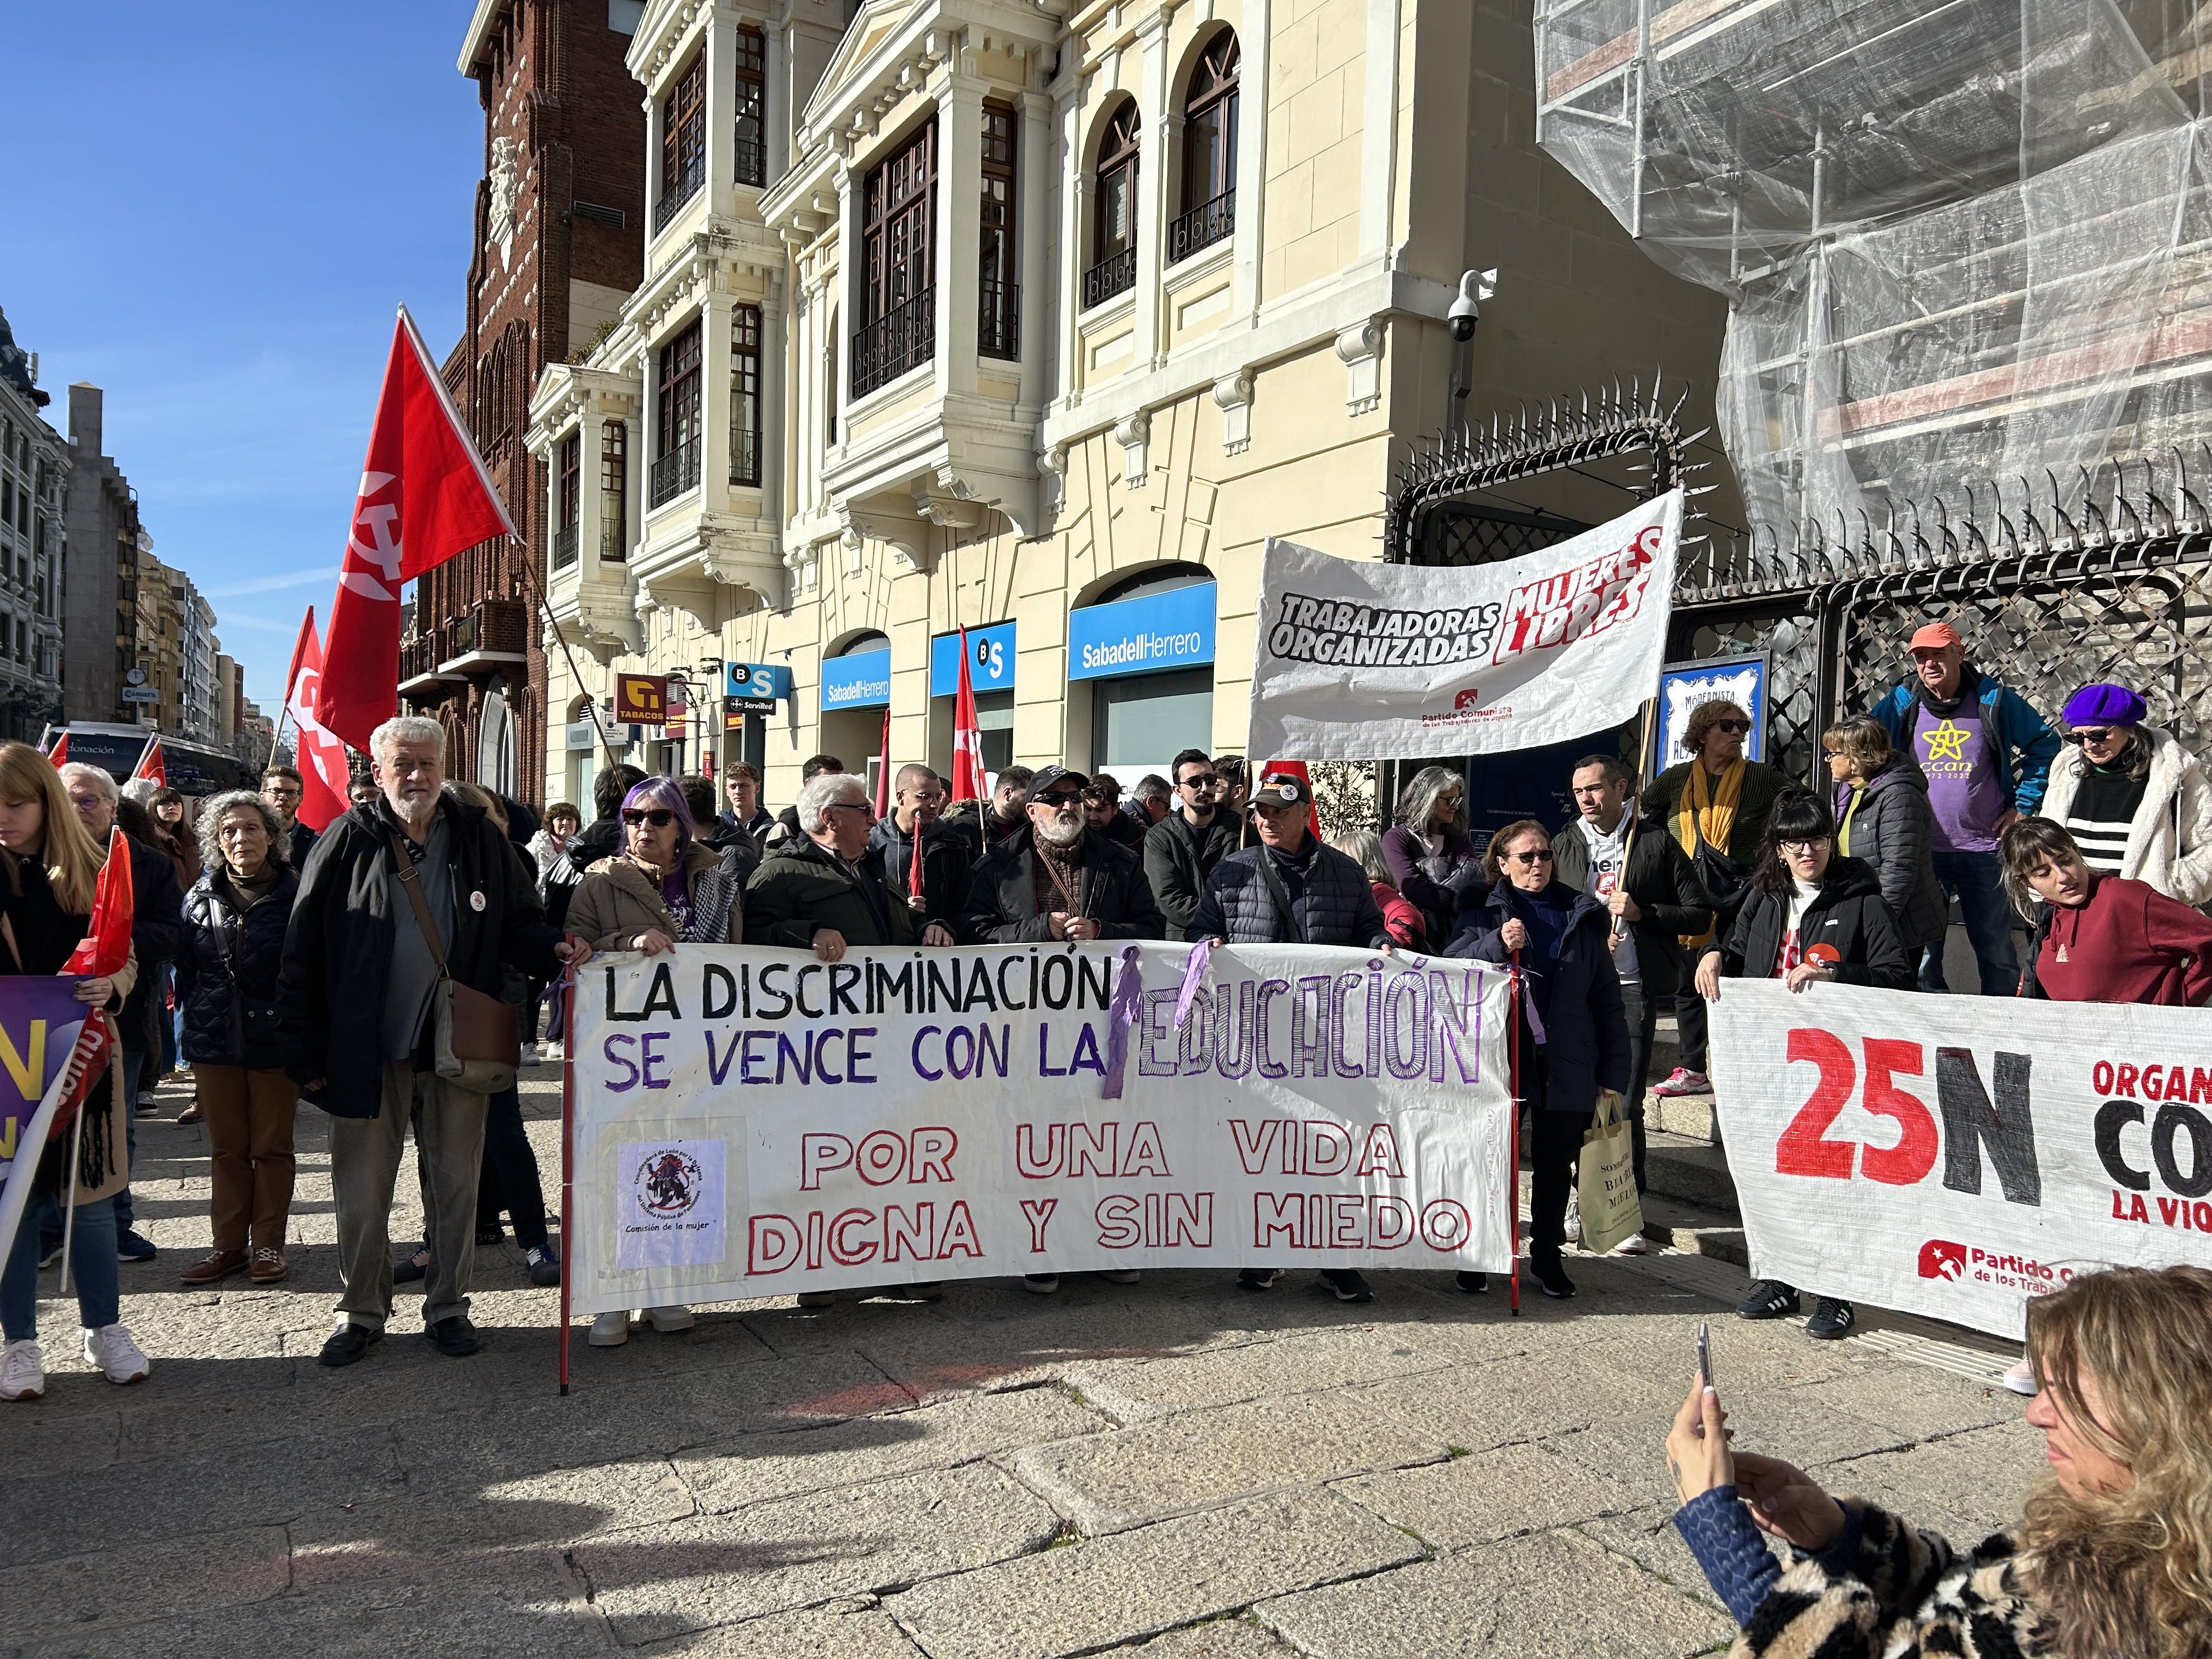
(664, 888)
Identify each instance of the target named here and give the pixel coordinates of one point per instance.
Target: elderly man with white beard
(356, 1009)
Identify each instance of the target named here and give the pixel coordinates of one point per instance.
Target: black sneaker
(415, 1265)
(1552, 1279)
(1347, 1283)
(1258, 1279)
(1831, 1318)
(347, 1344)
(1770, 1298)
(454, 1336)
(134, 1246)
(923, 1291)
(1041, 1283)
(1472, 1284)
(543, 1262)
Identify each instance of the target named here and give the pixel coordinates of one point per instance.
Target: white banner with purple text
(1956, 1156)
(755, 1123)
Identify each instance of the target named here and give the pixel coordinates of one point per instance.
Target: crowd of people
(365, 969)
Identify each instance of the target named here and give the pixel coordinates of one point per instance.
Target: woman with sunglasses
(2135, 801)
(1561, 938)
(1716, 802)
(663, 888)
(1811, 916)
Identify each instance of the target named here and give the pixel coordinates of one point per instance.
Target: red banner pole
(568, 1149)
(1513, 1176)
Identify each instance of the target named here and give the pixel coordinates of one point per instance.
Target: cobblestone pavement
(1172, 1467)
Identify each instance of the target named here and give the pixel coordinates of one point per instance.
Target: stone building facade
(1037, 319)
(34, 465)
(558, 222)
(100, 642)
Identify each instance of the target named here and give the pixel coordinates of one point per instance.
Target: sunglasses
(2093, 734)
(851, 806)
(1203, 781)
(1530, 858)
(1058, 802)
(659, 817)
(1732, 726)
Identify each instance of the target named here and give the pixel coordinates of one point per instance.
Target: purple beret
(2105, 705)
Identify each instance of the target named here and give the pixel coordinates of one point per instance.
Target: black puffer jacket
(1849, 915)
(1894, 830)
(946, 864)
(1332, 901)
(228, 952)
(337, 954)
(1002, 901)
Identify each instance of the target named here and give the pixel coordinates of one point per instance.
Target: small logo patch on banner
(673, 1203)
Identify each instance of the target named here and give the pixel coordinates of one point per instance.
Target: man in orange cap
(1987, 755)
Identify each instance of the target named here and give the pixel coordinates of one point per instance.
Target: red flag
(967, 736)
(884, 768)
(1298, 770)
(101, 952)
(152, 765)
(424, 496)
(324, 773)
(59, 753)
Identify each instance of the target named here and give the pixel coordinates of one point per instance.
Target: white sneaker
(669, 1320)
(553, 1053)
(1634, 1245)
(1574, 1217)
(610, 1330)
(2020, 1379)
(118, 1357)
(530, 1056)
(23, 1371)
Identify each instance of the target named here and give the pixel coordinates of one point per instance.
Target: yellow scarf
(1708, 814)
(1844, 830)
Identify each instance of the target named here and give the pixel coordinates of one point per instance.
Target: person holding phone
(1811, 917)
(2108, 1558)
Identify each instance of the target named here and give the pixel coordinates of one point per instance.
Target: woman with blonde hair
(2112, 1558)
(1883, 819)
(49, 874)
(1401, 918)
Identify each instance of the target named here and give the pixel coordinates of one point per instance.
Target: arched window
(1113, 226)
(1209, 151)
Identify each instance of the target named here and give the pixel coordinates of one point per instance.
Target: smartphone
(1704, 1355)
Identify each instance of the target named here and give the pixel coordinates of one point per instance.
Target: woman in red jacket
(2101, 938)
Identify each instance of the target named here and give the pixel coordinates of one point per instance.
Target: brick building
(557, 252)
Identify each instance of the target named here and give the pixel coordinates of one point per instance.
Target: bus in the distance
(194, 769)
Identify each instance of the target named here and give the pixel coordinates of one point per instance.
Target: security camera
(1474, 288)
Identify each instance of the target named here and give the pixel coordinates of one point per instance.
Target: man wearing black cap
(1051, 879)
(1291, 890)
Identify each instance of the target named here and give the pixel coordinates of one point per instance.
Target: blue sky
(212, 212)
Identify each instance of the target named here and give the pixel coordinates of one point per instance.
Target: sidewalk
(1172, 1467)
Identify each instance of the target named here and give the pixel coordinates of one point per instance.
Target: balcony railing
(752, 157)
(420, 655)
(904, 337)
(1116, 274)
(999, 324)
(744, 457)
(613, 539)
(684, 187)
(1202, 226)
(500, 626)
(675, 472)
(564, 547)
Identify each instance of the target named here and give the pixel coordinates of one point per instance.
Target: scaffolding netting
(1966, 246)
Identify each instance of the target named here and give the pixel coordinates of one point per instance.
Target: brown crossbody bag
(478, 1039)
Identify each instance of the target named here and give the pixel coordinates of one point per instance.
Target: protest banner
(1957, 1156)
(39, 1020)
(1356, 660)
(748, 1122)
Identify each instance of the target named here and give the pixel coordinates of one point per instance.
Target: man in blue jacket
(1964, 730)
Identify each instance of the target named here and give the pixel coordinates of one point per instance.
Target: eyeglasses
(659, 817)
(1738, 727)
(864, 807)
(1538, 857)
(1804, 849)
(2099, 734)
(1203, 781)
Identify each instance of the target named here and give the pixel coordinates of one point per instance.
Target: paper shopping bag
(1606, 1178)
